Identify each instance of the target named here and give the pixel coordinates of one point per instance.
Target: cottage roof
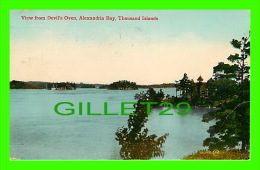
(200, 78)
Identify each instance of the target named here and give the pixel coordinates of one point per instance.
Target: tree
(241, 59)
(225, 71)
(135, 141)
(232, 127)
(185, 85)
(221, 89)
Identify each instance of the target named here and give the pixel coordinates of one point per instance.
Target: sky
(104, 51)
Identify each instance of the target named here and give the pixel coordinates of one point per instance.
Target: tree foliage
(185, 85)
(61, 86)
(135, 141)
(151, 96)
(243, 46)
(123, 85)
(14, 84)
(232, 119)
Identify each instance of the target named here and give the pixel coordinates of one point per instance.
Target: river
(38, 133)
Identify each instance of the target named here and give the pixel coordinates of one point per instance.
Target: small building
(200, 88)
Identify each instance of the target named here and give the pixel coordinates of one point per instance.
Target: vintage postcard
(130, 84)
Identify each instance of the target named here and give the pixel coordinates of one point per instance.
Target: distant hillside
(15, 84)
(164, 85)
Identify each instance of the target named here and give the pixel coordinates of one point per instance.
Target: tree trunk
(244, 147)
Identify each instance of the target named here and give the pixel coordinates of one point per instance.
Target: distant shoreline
(16, 84)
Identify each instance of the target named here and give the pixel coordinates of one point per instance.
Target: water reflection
(135, 141)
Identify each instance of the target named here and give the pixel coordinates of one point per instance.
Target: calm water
(37, 132)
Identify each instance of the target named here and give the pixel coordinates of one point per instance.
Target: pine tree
(232, 127)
